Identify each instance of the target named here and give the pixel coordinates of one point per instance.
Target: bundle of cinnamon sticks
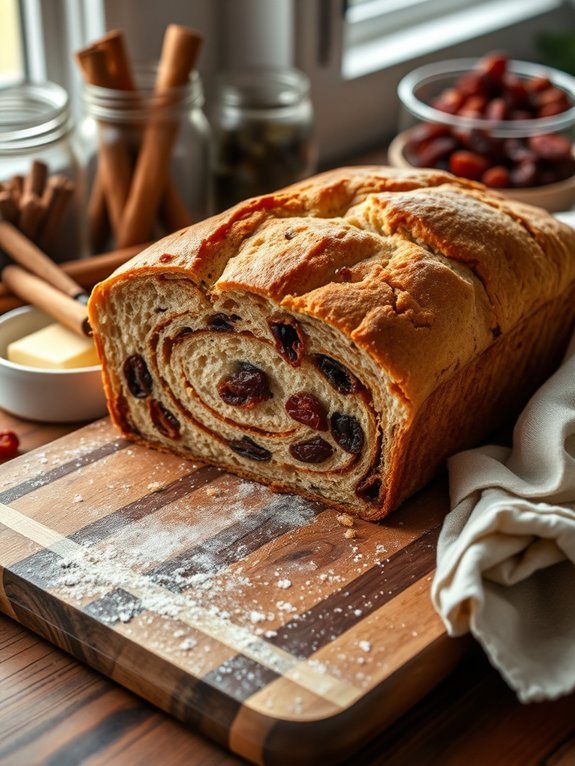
(85, 272)
(130, 194)
(36, 203)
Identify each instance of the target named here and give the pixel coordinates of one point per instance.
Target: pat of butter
(53, 347)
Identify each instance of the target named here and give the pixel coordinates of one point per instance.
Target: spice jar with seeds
(41, 172)
(263, 133)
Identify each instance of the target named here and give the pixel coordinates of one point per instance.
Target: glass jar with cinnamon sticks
(146, 139)
(41, 173)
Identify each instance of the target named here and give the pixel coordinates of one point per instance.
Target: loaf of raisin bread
(339, 338)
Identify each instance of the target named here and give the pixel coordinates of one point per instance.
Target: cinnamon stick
(27, 254)
(35, 181)
(15, 186)
(8, 207)
(34, 290)
(179, 52)
(31, 213)
(86, 272)
(119, 69)
(59, 191)
(115, 164)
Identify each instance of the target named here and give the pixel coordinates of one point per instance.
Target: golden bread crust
(418, 270)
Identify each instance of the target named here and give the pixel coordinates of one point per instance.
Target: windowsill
(369, 57)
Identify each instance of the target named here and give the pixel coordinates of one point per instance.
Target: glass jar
(111, 136)
(42, 176)
(263, 133)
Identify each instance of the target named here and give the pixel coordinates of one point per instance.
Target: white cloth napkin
(506, 552)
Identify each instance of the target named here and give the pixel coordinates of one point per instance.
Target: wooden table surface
(55, 711)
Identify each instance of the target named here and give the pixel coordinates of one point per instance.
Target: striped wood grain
(248, 615)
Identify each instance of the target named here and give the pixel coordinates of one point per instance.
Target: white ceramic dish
(49, 396)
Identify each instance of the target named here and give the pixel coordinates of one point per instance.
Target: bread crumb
(365, 646)
(345, 519)
(78, 499)
(212, 492)
(154, 486)
(350, 534)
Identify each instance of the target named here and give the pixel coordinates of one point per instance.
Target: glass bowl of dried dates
(507, 124)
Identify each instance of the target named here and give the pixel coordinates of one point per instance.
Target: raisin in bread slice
(341, 337)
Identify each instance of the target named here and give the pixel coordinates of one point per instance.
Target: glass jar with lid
(263, 133)
(112, 134)
(41, 174)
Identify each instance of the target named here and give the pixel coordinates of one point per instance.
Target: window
(367, 19)
(11, 49)
(381, 33)
(38, 39)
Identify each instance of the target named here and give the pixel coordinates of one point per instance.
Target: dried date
(497, 177)
(246, 447)
(496, 109)
(246, 387)
(524, 174)
(138, 376)
(164, 420)
(493, 66)
(338, 376)
(468, 164)
(369, 489)
(315, 450)
(308, 410)
(429, 154)
(347, 432)
(550, 146)
(289, 340)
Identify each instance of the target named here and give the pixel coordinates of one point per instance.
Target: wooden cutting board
(259, 619)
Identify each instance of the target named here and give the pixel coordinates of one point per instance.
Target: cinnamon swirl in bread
(341, 337)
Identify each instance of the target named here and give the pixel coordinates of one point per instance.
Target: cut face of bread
(341, 338)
